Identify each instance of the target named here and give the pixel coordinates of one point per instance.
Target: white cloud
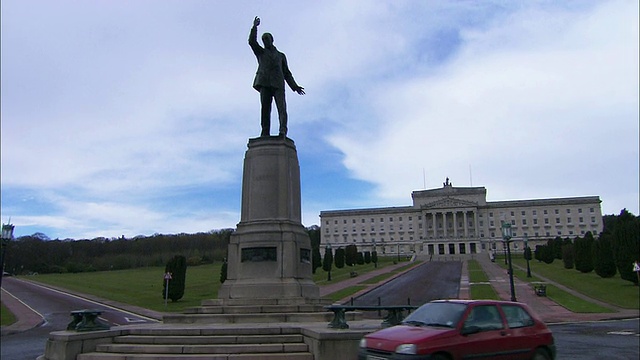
(525, 99)
(117, 107)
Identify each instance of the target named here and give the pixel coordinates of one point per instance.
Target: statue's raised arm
(272, 73)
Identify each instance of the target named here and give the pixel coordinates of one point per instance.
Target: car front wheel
(541, 354)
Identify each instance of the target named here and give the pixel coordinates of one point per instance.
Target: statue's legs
(281, 105)
(266, 94)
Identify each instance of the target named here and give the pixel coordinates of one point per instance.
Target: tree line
(38, 254)
(614, 251)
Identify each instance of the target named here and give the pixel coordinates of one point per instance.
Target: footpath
(548, 310)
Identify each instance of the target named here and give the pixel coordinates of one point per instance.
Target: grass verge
(6, 316)
(143, 286)
(341, 294)
(320, 277)
(477, 275)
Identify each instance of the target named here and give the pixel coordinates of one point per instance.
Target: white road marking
(88, 300)
(623, 332)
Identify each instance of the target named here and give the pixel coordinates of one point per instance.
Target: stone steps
(249, 309)
(215, 344)
(248, 318)
(207, 340)
(104, 356)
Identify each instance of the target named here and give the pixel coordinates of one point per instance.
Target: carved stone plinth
(270, 252)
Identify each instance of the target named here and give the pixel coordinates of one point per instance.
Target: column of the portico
(466, 224)
(425, 225)
(475, 224)
(444, 224)
(455, 224)
(433, 221)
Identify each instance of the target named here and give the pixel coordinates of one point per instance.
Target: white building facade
(459, 221)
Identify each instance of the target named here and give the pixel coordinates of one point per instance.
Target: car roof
(477, 302)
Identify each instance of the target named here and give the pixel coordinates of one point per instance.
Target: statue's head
(267, 40)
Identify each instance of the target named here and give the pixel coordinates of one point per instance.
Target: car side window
(517, 317)
(485, 317)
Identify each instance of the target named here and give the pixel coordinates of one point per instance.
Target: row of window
(373, 240)
(491, 224)
(546, 212)
(522, 212)
(353, 221)
(546, 221)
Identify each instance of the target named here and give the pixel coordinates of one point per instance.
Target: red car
(463, 329)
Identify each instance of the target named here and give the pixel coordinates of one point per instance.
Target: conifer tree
(367, 257)
(327, 262)
(603, 260)
(339, 258)
(583, 249)
(567, 256)
(626, 244)
(177, 267)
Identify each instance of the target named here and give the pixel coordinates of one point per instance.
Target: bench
(353, 274)
(395, 314)
(540, 289)
(86, 320)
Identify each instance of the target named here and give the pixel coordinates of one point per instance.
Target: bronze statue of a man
(270, 77)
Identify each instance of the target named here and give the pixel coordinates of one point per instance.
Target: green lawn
(613, 290)
(6, 316)
(143, 286)
(574, 303)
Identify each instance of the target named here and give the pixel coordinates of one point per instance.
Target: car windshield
(445, 314)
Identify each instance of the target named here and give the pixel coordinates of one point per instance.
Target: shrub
(194, 260)
(223, 271)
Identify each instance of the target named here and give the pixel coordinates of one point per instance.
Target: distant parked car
(463, 329)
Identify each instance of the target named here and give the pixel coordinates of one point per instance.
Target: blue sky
(132, 117)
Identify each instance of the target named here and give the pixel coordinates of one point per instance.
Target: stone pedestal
(270, 252)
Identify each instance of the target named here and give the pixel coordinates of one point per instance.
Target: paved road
(611, 340)
(426, 282)
(54, 306)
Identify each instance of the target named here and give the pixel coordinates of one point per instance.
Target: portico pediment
(449, 202)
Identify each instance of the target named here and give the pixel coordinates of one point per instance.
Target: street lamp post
(504, 249)
(506, 237)
(7, 235)
(527, 254)
(375, 264)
